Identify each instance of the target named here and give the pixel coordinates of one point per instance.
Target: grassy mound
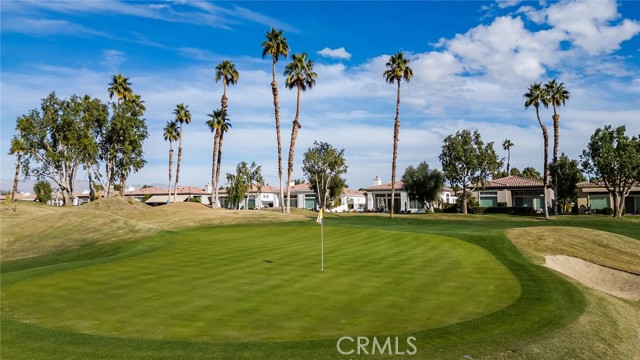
(599, 247)
(384, 277)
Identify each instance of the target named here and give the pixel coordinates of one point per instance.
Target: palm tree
(275, 46)
(300, 75)
(120, 87)
(170, 135)
(18, 147)
(224, 126)
(557, 96)
(507, 145)
(183, 115)
(398, 69)
(536, 97)
(214, 122)
(226, 71)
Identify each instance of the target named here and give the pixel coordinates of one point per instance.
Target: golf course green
(264, 283)
(255, 291)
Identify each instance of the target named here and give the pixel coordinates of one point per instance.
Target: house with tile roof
(515, 191)
(160, 196)
(379, 197)
(594, 195)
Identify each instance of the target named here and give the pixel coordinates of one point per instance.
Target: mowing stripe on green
(262, 283)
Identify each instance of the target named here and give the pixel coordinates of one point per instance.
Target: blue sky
(472, 62)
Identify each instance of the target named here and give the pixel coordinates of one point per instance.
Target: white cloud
(503, 4)
(47, 27)
(594, 26)
(472, 80)
(113, 59)
(339, 53)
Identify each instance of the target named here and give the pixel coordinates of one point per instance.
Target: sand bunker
(614, 282)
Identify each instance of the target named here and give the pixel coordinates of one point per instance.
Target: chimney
(208, 188)
(292, 184)
(377, 181)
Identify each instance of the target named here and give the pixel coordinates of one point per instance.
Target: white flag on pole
(319, 219)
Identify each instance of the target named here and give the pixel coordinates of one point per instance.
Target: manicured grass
(159, 297)
(264, 283)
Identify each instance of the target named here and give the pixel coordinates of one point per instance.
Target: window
(523, 201)
(599, 201)
(488, 198)
(415, 204)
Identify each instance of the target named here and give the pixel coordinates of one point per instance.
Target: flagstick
(322, 244)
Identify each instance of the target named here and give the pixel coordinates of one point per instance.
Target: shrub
(7, 199)
(497, 210)
(42, 189)
(502, 204)
(450, 209)
(607, 211)
(145, 198)
(575, 210)
(476, 210)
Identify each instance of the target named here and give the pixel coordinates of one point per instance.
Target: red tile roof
(352, 192)
(514, 181)
(399, 186)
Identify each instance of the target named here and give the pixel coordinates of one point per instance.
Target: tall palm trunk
(92, 189)
(292, 148)
(556, 141)
(276, 105)
(14, 190)
(214, 180)
(396, 134)
(508, 160)
(223, 105)
(545, 135)
(170, 170)
(175, 189)
(219, 161)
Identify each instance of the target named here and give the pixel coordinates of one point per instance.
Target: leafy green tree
(182, 116)
(300, 75)
(171, 134)
(613, 158)
(123, 135)
(515, 172)
(42, 190)
(535, 97)
(506, 146)
(59, 138)
(423, 184)
(240, 183)
(336, 186)
(566, 175)
(397, 70)
(556, 95)
(276, 45)
(126, 134)
(531, 173)
(467, 162)
(321, 164)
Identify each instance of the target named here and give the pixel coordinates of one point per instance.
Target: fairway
(248, 286)
(263, 283)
